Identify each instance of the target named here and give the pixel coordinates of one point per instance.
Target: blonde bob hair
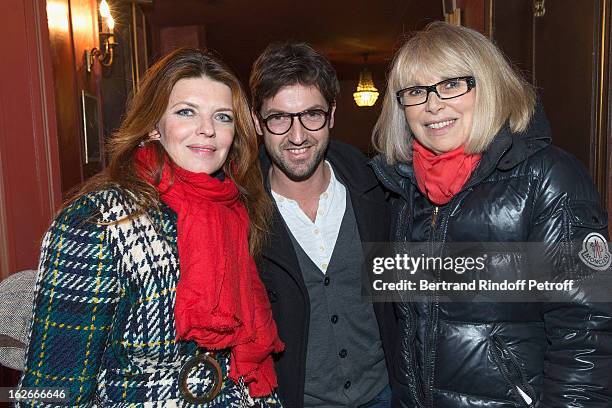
(445, 51)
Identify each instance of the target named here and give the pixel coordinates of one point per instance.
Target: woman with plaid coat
(147, 293)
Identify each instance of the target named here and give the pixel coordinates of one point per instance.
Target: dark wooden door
(560, 46)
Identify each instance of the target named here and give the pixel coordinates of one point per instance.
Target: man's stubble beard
(295, 173)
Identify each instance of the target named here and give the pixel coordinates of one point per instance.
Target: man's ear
(331, 115)
(256, 123)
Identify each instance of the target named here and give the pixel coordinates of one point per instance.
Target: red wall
(42, 75)
(29, 185)
(30, 188)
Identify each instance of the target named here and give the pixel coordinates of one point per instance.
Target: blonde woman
(467, 157)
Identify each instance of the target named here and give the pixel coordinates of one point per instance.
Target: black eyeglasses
(447, 89)
(280, 123)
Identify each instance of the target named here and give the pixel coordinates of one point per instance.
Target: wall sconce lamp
(366, 94)
(104, 54)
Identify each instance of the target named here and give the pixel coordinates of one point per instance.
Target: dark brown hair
(144, 111)
(283, 64)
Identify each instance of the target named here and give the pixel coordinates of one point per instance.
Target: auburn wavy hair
(144, 111)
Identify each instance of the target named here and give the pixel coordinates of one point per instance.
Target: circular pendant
(209, 363)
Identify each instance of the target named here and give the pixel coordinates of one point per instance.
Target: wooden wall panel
(29, 169)
(473, 14)
(512, 31)
(565, 62)
(65, 85)
(606, 122)
(41, 77)
(563, 53)
(73, 29)
(172, 38)
(119, 81)
(116, 81)
(85, 37)
(600, 151)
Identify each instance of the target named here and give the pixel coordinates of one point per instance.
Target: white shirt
(317, 238)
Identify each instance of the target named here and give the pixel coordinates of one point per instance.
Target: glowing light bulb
(104, 10)
(111, 24)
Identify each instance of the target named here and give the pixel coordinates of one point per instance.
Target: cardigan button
(334, 319)
(326, 281)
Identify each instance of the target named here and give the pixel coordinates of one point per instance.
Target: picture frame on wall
(91, 128)
(140, 52)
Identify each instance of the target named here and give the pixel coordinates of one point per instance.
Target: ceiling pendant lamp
(366, 94)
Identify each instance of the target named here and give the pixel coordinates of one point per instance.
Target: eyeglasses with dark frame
(280, 123)
(447, 89)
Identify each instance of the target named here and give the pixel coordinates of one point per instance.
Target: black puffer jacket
(480, 354)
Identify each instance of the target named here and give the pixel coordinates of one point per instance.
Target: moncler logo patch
(595, 252)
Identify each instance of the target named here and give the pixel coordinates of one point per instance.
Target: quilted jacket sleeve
(578, 361)
(75, 298)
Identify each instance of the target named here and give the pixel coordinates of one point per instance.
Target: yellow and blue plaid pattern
(103, 322)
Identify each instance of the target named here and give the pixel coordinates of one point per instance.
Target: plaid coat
(103, 325)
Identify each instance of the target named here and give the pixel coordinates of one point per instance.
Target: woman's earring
(153, 136)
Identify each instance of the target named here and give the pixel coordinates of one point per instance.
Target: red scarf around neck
(220, 299)
(441, 176)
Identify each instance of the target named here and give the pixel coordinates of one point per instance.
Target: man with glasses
(327, 202)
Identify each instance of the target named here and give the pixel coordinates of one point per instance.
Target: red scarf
(220, 300)
(441, 176)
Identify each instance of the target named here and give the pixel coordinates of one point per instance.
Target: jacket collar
(536, 137)
(279, 247)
